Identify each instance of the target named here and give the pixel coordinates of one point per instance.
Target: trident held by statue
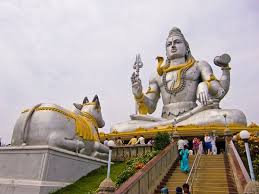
(137, 65)
(135, 76)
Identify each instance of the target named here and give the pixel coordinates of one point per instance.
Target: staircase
(213, 176)
(174, 178)
(178, 178)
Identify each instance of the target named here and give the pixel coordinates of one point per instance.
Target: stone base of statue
(41, 169)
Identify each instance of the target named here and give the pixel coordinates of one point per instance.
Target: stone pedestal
(107, 187)
(252, 187)
(41, 169)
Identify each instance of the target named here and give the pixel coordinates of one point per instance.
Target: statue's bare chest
(175, 81)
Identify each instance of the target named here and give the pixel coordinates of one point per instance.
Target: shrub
(161, 140)
(128, 172)
(133, 165)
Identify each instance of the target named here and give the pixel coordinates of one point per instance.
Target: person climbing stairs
(213, 175)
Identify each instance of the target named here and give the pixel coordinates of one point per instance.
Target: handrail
(240, 173)
(193, 170)
(146, 179)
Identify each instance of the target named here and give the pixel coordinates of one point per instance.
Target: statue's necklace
(181, 72)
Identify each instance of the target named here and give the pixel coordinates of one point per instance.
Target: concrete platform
(41, 169)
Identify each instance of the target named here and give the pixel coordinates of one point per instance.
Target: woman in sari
(184, 164)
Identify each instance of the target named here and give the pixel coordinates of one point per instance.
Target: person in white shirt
(141, 140)
(180, 144)
(111, 143)
(207, 141)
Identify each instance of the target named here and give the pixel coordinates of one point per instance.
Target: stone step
(205, 166)
(212, 179)
(217, 157)
(178, 177)
(212, 163)
(208, 160)
(197, 184)
(214, 188)
(204, 179)
(212, 170)
(221, 169)
(211, 176)
(213, 192)
(213, 156)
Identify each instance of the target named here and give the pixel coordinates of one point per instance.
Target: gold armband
(225, 68)
(149, 90)
(212, 78)
(142, 108)
(140, 99)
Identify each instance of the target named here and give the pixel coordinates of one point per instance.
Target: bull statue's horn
(96, 100)
(85, 100)
(78, 106)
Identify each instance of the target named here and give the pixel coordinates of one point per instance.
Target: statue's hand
(136, 85)
(203, 93)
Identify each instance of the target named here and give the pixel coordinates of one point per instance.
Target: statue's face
(175, 47)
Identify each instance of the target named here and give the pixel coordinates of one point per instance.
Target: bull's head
(93, 108)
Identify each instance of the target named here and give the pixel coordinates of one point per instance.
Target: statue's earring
(167, 62)
(187, 53)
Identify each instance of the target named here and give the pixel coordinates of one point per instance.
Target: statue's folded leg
(216, 117)
(206, 115)
(130, 125)
(145, 118)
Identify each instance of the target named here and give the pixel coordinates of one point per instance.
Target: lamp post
(244, 135)
(109, 164)
(225, 117)
(227, 133)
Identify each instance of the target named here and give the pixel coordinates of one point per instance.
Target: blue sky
(60, 51)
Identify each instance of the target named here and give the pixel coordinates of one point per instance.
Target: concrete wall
(41, 169)
(122, 153)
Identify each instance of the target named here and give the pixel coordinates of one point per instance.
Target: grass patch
(90, 183)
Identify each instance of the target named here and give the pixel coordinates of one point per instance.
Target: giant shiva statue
(190, 91)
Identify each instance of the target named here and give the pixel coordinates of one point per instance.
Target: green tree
(161, 140)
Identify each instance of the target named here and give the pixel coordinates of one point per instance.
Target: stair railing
(193, 171)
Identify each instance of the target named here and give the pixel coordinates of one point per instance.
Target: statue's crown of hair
(175, 31)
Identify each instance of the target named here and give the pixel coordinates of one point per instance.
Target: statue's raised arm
(190, 91)
(145, 103)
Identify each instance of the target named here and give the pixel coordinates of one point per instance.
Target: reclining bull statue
(50, 124)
